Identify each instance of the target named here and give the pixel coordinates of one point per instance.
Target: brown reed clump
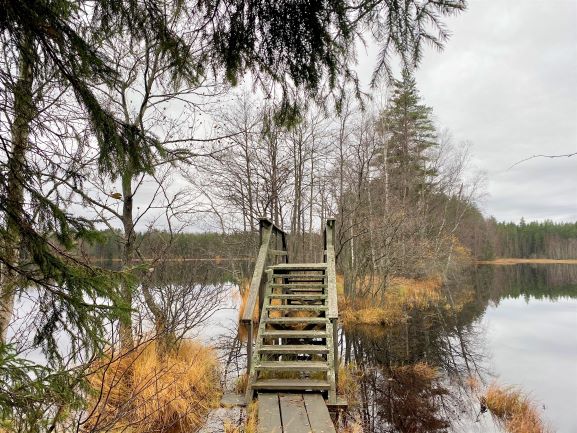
(348, 383)
(401, 296)
(514, 409)
(241, 383)
(141, 392)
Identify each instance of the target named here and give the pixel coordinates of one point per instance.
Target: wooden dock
(293, 413)
(293, 359)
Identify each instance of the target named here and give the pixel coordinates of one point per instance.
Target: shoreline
(516, 261)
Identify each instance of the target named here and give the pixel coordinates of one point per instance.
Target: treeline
(489, 239)
(241, 245)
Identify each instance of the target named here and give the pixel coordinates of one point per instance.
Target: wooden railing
(268, 233)
(333, 307)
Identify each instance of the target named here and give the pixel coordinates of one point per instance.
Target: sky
(507, 83)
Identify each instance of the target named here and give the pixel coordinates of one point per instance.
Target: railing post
(258, 284)
(335, 327)
(249, 348)
(329, 258)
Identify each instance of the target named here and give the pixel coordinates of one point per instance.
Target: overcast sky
(507, 82)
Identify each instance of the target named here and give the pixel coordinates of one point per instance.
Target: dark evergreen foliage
(410, 134)
(297, 47)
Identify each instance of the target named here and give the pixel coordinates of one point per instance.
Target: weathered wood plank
(292, 384)
(294, 334)
(294, 349)
(300, 266)
(298, 285)
(294, 414)
(293, 365)
(232, 399)
(293, 320)
(292, 276)
(333, 312)
(269, 417)
(279, 252)
(318, 414)
(299, 296)
(257, 275)
(299, 307)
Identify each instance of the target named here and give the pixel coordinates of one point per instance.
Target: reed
(141, 392)
(401, 296)
(514, 409)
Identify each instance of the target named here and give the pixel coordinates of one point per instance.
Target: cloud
(507, 82)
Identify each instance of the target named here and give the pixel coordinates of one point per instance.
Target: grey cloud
(507, 82)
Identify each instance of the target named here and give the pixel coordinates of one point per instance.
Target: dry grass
(241, 383)
(173, 394)
(419, 372)
(401, 296)
(353, 426)
(244, 288)
(348, 383)
(512, 261)
(250, 425)
(244, 291)
(251, 417)
(514, 409)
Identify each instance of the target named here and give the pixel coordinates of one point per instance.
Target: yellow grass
(244, 287)
(241, 383)
(514, 409)
(419, 372)
(170, 395)
(244, 291)
(513, 261)
(353, 426)
(401, 296)
(348, 383)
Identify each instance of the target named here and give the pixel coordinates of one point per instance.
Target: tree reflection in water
(415, 377)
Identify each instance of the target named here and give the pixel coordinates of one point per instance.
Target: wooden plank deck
(293, 413)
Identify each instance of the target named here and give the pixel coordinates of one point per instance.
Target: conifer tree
(410, 134)
(51, 61)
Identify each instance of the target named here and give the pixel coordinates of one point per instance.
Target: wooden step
(305, 291)
(300, 266)
(293, 333)
(280, 349)
(291, 385)
(290, 320)
(298, 286)
(292, 366)
(299, 297)
(301, 276)
(297, 307)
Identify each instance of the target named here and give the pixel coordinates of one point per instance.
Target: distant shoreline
(177, 259)
(513, 261)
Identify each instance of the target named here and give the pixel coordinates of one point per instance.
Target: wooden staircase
(295, 345)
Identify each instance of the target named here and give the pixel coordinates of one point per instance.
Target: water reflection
(509, 321)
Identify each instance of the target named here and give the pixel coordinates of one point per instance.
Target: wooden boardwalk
(293, 359)
(293, 413)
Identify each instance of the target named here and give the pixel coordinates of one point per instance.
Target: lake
(516, 325)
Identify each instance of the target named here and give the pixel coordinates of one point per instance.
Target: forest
(143, 133)
(484, 237)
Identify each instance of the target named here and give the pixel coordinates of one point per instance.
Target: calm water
(516, 325)
(533, 343)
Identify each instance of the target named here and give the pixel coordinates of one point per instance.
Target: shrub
(141, 392)
(514, 409)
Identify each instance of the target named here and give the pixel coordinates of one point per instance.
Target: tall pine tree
(410, 134)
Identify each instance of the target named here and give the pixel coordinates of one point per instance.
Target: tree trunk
(20, 131)
(126, 338)
(166, 339)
